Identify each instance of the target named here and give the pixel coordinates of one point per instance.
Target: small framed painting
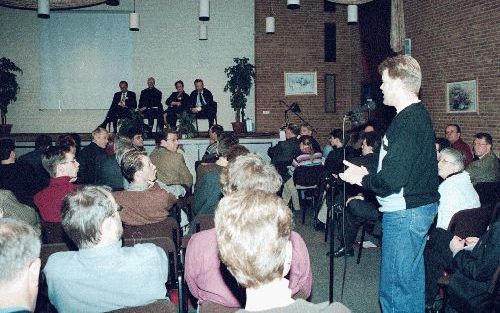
(301, 84)
(461, 97)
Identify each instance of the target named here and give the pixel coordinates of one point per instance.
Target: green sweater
(407, 175)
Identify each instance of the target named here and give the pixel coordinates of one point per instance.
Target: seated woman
(309, 157)
(245, 218)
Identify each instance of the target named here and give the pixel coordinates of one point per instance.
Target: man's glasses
(72, 161)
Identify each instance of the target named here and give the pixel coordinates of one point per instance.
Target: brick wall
(298, 46)
(454, 41)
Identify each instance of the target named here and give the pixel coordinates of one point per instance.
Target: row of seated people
(92, 219)
(199, 102)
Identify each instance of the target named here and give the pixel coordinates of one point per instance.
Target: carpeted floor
(361, 282)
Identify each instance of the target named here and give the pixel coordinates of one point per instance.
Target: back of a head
(52, 157)
(253, 231)
(42, 142)
(6, 147)
(217, 129)
(67, 142)
(337, 133)
(405, 68)
(372, 140)
(83, 212)
(226, 141)
(443, 143)
(293, 128)
(250, 172)
(236, 151)
(132, 161)
(19, 246)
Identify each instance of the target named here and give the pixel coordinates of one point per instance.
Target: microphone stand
(295, 109)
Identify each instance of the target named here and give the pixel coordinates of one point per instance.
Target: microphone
(370, 105)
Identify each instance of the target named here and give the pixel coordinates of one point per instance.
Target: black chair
(307, 179)
(489, 193)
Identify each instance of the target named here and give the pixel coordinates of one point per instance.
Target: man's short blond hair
(405, 68)
(253, 230)
(250, 172)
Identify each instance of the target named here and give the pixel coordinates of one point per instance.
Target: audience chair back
(170, 249)
(203, 222)
(53, 233)
(489, 193)
(159, 306)
(212, 307)
(307, 181)
(166, 228)
(470, 222)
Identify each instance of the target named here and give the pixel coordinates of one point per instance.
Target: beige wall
(166, 47)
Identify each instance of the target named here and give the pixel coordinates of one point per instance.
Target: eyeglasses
(72, 161)
(480, 144)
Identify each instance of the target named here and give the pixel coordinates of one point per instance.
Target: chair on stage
(205, 117)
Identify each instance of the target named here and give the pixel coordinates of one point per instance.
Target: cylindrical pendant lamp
(134, 21)
(204, 10)
(352, 13)
(293, 4)
(270, 25)
(43, 9)
(203, 32)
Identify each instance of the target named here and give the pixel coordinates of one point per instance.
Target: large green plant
(8, 85)
(241, 76)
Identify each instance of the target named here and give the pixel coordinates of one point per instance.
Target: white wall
(166, 47)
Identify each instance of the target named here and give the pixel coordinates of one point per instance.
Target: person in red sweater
(63, 170)
(453, 133)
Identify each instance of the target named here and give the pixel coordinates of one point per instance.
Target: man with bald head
(150, 104)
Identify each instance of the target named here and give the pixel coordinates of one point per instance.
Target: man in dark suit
(178, 101)
(284, 152)
(123, 102)
(150, 104)
(202, 102)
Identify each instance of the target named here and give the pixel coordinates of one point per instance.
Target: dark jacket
(185, 100)
(208, 104)
(87, 160)
(150, 98)
(17, 177)
(473, 271)
(39, 176)
(130, 101)
(409, 163)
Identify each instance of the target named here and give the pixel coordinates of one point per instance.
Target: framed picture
(301, 84)
(329, 93)
(461, 97)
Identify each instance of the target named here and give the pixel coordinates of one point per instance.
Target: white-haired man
(102, 276)
(20, 266)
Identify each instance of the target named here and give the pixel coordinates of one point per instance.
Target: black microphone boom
(370, 105)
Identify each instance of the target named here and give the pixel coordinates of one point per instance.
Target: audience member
(178, 102)
(124, 101)
(333, 162)
(89, 155)
(143, 202)
(456, 191)
(308, 157)
(361, 204)
(20, 264)
(487, 167)
(134, 134)
(63, 170)
(202, 102)
(102, 276)
(249, 216)
(203, 272)
(14, 209)
(67, 143)
(208, 192)
(170, 164)
(284, 152)
(150, 104)
(307, 130)
(406, 184)
(39, 176)
(453, 134)
(214, 134)
(108, 171)
(15, 176)
(78, 141)
(470, 262)
(224, 142)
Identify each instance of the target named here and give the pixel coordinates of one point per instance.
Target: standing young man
(406, 184)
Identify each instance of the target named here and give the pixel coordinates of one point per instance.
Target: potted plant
(186, 128)
(240, 81)
(8, 90)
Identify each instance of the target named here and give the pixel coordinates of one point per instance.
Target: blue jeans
(402, 275)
